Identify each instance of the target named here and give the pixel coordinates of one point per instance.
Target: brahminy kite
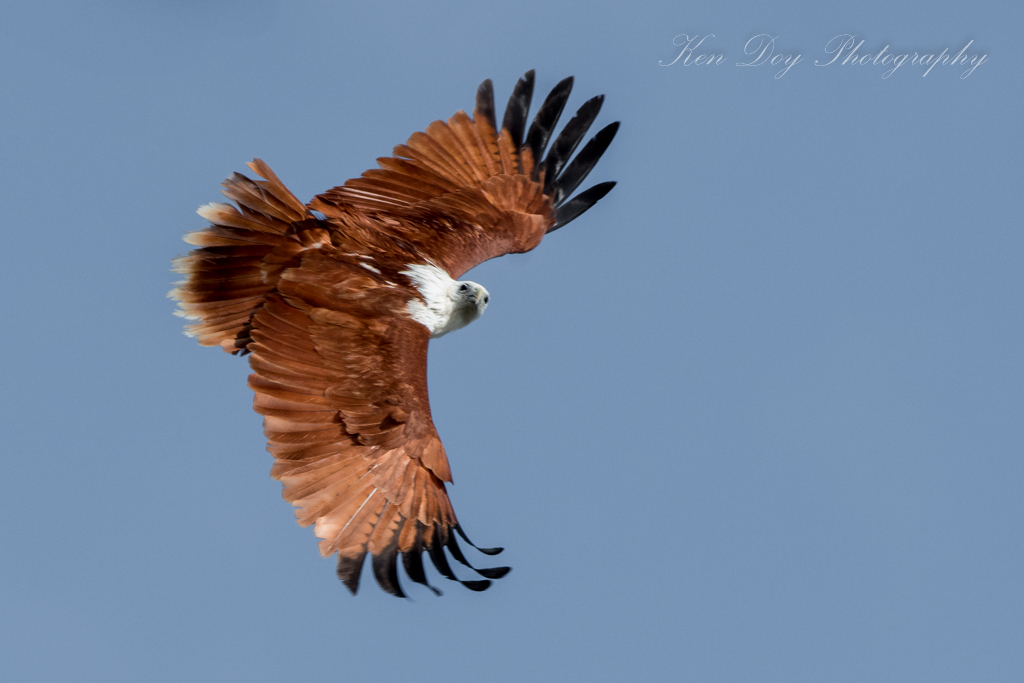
(336, 301)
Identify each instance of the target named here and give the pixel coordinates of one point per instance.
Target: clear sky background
(757, 416)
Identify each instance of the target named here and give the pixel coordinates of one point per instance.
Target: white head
(447, 305)
(472, 296)
(468, 301)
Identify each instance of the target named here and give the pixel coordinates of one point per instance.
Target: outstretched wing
(461, 192)
(340, 376)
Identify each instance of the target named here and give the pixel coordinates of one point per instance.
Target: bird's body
(337, 300)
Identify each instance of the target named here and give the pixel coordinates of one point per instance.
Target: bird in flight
(335, 302)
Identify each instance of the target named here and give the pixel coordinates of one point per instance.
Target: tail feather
(239, 259)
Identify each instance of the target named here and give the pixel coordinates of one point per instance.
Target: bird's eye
(464, 288)
(486, 299)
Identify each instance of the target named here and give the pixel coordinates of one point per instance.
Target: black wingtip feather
(545, 120)
(436, 552)
(349, 571)
(485, 103)
(485, 551)
(518, 109)
(413, 563)
(477, 586)
(385, 565)
(412, 560)
(566, 142)
(487, 572)
(492, 572)
(572, 210)
(385, 570)
(576, 172)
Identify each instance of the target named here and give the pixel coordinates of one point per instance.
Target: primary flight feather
(337, 300)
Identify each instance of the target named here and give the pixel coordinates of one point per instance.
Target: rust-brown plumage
(317, 295)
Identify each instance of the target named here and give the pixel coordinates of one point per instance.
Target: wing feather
(383, 546)
(339, 374)
(462, 192)
(517, 110)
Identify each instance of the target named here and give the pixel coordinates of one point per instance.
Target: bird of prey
(335, 302)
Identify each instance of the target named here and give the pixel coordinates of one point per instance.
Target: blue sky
(755, 417)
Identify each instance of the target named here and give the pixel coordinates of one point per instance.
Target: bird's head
(470, 295)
